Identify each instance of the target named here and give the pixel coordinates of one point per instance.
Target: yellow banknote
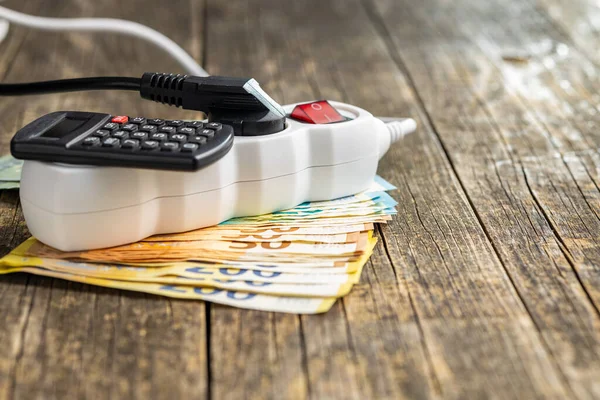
(234, 298)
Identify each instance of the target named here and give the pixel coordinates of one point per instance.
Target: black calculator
(75, 137)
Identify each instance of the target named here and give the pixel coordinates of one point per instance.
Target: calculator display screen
(64, 127)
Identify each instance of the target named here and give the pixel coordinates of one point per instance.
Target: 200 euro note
(234, 298)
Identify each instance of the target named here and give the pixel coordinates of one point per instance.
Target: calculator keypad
(152, 134)
(124, 141)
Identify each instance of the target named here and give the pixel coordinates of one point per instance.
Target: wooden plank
(509, 164)
(451, 322)
(577, 20)
(67, 340)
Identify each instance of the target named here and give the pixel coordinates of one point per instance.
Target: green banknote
(10, 172)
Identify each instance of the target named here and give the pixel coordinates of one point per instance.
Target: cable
(71, 85)
(106, 25)
(400, 128)
(3, 29)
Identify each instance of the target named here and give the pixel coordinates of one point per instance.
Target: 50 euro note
(210, 249)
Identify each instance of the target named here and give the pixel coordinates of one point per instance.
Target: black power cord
(70, 85)
(239, 102)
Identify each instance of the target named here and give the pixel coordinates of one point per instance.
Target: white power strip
(74, 207)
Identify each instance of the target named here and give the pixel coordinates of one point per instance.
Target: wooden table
(485, 285)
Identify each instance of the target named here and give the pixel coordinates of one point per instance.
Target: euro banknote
(234, 298)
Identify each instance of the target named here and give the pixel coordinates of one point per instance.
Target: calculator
(87, 138)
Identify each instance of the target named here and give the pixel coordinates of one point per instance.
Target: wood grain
(509, 164)
(485, 285)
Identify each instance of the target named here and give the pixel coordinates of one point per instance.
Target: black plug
(239, 102)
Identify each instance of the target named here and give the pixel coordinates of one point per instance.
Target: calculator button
(130, 144)
(168, 129)
(138, 120)
(178, 137)
(156, 121)
(120, 134)
(102, 133)
(195, 124)
(158, 136)
(91, 141)
(120, 119)
(139, 135)
(111, 126)
(110, 142)
(186, 130)
(209, 133)
(189, 147)
(130, 127)
(197, 139)
(213, 125)
(150, 145)
(175, 122)
(148, 128)
(169, 146)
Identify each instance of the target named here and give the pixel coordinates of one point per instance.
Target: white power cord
(102, 25)
(400, 128)
(3, 29)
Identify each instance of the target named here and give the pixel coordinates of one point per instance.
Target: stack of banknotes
(298, 260)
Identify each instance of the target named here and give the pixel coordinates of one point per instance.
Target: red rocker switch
(319, 112)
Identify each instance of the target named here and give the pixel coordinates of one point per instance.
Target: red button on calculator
(319, 112)
(120, 119)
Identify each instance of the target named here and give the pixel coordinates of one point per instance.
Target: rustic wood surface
(485, 285)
